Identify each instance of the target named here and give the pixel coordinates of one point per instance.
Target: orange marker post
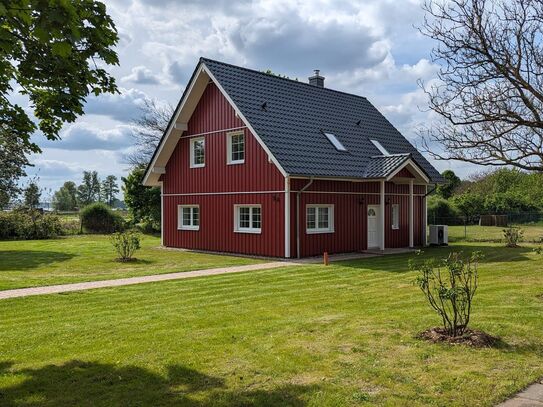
(325, 258)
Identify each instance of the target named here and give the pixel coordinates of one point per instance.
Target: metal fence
(489, 227)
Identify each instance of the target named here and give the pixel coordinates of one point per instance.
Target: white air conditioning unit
(439, 235)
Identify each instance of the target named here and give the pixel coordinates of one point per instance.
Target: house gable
(214, 120)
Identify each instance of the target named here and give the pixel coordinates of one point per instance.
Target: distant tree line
(502, 191)
(71, 196)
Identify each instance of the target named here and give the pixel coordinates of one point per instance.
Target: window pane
(195, 216)
(238, 147)
(311, 218)
(395, 216)
(323, 218)
(199, 151)
(186, 216)
(256, 218)
(244, 217)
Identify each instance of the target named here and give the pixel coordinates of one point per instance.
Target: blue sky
(371, 48)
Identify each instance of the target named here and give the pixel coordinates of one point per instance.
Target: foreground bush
(125, 244)
(99, 218)
(450, 291)
(29, 224)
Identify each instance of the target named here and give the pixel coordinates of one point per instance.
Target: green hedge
(29, 224)
(99, 218)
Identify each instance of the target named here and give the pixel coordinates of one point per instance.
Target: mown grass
(310, 335)
(475, 233)
(91, 257)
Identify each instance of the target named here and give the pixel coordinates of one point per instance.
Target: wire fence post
(465, 228)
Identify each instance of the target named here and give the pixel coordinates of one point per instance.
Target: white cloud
(141, 75)
(86, 136)
(123, 106)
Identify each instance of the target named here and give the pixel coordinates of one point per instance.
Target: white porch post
(411, 225)
(425, 218)
(162, 213)
(287, 217)
(382, 216)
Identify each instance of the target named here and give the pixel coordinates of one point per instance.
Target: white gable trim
(270, 155)
(175, 130)
(172, 126)
(413, 165)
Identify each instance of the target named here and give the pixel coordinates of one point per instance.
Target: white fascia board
(242, 117)
(414, 165)
(173, 125)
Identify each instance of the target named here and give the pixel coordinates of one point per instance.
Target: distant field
(474, 233)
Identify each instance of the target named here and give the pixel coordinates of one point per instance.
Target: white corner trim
(249, 126)
(162, 213)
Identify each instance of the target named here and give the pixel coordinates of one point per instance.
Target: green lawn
(310, 335)
(475, 233)
(91, 257)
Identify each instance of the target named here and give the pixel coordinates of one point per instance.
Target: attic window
(335, 142)
(380, 147)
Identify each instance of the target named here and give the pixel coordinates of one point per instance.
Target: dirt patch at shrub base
(471, 337)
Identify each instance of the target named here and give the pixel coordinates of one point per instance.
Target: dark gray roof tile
(296, 116)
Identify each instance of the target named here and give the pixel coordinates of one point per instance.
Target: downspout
(298, 194)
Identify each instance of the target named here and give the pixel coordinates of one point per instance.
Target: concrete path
(63, 288)
(530, 397)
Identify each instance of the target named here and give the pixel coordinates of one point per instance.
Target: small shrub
(513, 236)
(125, 244)
(99, 218)
(450, 291)
(29, 224)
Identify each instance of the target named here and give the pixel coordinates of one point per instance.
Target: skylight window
(335, 142)
(380, 147)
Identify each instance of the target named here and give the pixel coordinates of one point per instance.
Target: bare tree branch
(489, 93)
(148, 130)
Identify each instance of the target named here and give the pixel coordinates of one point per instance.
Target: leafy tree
(453, 182)
(32, 195)
(143, 202)
(13, 159)
(469, 204)
(65, 199)
(89, 190)
(148, 130)
(489, 96)
(109, 189)
(53, 53)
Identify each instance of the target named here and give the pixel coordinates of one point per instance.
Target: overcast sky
(369, 47)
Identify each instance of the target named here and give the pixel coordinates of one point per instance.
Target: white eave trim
(414, 165)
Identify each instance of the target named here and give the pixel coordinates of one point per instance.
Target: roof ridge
(283, 78)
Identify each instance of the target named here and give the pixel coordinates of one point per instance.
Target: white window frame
(193, 164)
(192, 226)
(395, 216)
(251, 229)
(229, 137)
(316, 229)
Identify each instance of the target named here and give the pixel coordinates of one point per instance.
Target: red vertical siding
(351, 200)
(214, 114)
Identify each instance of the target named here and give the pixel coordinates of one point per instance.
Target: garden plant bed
(470, 337)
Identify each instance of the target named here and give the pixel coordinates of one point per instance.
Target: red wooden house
(258, 164)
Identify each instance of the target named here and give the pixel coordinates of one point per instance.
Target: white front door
(373, 226)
